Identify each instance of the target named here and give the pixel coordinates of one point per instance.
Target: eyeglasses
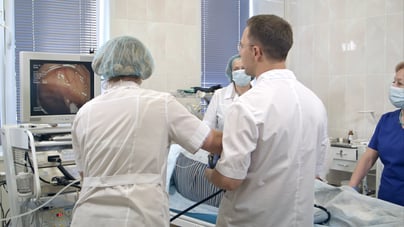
(240, 46)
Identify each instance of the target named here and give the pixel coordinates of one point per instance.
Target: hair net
(123, 56)
(229, 67)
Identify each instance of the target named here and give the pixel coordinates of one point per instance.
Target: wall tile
(171, 31)
(339, 43)
(346, 80)
(356, 45)
(174, 11)
(394, 40)
(375, 7)
(375, 44)
(394, 6)
(355, 9)
(156, 10)
(321, 11)
(119, 26)
(133, 10)
(354, 96)
(337, 10)
(336, 103)
(191, 13)
(320, 86)
(321, 52)
(119, 11)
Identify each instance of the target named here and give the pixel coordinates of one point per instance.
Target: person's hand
(319, 178)
(212, 160)
(208, 174)
(356, 188)
(350, 188)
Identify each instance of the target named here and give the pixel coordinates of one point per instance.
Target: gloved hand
(349, 188)
(212, 160)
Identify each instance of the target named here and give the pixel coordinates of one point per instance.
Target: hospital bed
(345, 206)
(349, 208)
(202, 215)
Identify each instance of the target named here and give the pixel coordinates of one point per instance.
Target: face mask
(240, 78)
(397, 97)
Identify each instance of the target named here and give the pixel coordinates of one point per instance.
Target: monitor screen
(54, 86)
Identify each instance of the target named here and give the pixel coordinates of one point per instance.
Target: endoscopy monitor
(54, 86)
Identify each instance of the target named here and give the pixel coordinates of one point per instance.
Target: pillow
(173, 153)
(191, 183)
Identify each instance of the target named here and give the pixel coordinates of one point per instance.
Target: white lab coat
(214, 116)
(121, 140)
(220, 102)
(270, 141)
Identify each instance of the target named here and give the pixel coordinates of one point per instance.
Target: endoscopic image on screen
(61, 88)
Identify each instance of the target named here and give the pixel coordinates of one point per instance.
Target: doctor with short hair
(271, 137)
(121, 140)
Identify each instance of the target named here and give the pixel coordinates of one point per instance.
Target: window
(53, 26)
(222, 25)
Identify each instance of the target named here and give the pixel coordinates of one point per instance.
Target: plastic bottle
(350, 136)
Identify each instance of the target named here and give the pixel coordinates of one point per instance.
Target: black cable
(2, 210)
(2, 213)
(32, 168)
(325, 210)
(67, 175)
(65, 172)
(63, 181)
(196, 204)
(60, 167)
(8, 223)
(1, 204)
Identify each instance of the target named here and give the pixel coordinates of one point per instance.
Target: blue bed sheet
(177, 202)
(203, 212)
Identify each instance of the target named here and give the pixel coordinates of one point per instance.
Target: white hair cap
(123, 56)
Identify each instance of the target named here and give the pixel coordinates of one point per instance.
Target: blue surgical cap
(123, 56)
(229, 67)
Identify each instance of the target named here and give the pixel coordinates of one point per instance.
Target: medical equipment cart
(39, 163)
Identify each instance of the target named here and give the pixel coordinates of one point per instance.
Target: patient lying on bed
(346, 206)
(189, 180)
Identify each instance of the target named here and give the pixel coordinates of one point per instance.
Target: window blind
(53, 26)
(222, 25)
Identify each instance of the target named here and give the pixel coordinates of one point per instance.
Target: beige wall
(346, 51)
(171, 31)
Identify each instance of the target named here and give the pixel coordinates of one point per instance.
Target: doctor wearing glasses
(387, 143)
(271, 137)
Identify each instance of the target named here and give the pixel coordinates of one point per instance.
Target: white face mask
(397, 97)
(240, 78)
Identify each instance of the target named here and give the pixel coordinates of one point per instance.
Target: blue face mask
(397, 97)
(240, 78)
